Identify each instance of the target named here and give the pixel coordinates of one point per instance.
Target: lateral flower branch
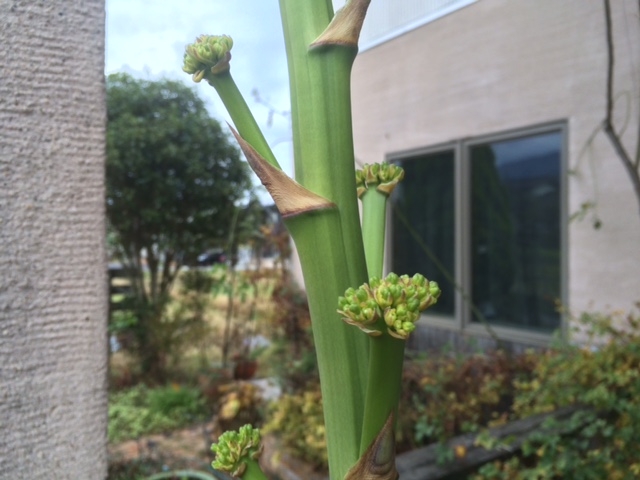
(317, 209)
(374, 184)
(208, 58)
(390, 305)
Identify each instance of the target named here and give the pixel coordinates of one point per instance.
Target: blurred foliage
(173, 179)
(298, 421)
(185, 325)
(240, 404)
(291, 358)
(141, 410)
(441, 398)
(459, 394)
(138, 469)
(197, 281)
(601, 439)
(296, 418)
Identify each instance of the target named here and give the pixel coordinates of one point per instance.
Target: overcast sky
(147, 40)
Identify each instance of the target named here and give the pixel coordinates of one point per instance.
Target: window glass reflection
(515, 225)
(425, 199)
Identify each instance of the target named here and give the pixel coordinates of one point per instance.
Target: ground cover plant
(601, 439)
(141, 410)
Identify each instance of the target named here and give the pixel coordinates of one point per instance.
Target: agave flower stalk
(320, 210)
(374, 184)
(321, 49)
(386, 309)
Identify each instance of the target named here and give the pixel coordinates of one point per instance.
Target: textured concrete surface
(498, 65)
(53, 301)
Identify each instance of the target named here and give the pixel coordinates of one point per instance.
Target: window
(486, 214)
(423, 222)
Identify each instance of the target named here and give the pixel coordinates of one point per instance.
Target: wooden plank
(421, 464)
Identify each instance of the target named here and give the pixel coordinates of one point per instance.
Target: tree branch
(168, 273)
(607, 123)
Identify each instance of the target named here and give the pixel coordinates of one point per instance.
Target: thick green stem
(241, 115)
(374, 204)
(383, 387)
(339, 353)
(319, 80)
(329, 243)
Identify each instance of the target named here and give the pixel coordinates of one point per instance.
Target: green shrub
(454, 395)
(139, 410)
(177, 401)
(602, 439)
(299, 423)
(441, 398)
(197, 281)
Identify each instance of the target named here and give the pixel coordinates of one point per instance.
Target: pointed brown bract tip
(290, 197)
(378, 462)
(345, 27)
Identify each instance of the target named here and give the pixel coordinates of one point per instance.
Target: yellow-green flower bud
(234, 449)
(383, 176)
(361, 185)
(419, 280)
(390, 175)
(383, 297)
(362, 294)
(396, 292)
(409, 291)
(390, 316)
(434, 289)
(413, 304)
(401, 330)
(369, 315)
(208, 55)
(371, 173)
(359, 308)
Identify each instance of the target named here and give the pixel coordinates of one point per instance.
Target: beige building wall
(498, 65)
(53, 301)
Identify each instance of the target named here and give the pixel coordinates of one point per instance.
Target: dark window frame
(462, 319)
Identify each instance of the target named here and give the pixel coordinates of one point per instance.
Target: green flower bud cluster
(394, 303)
(384, 175)
(235, 448)
(210, 54)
